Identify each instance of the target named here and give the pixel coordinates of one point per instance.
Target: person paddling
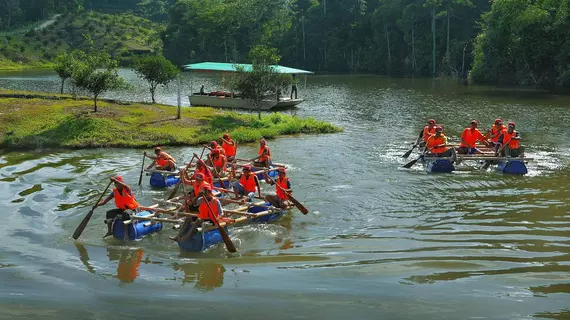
(281, 198)
(213, 146)
(496, 131)
(264, 155)
(229, 146)
(247, 184)
(124, 200)
(163, 160)
(511, 139)
(437, 144)
(202, 168)
(219, 163)
(204, 204)
(426, 132)
(469, 139)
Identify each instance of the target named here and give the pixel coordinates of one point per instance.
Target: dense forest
(501, 41)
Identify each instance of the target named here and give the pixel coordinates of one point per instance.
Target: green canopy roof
(231, 67)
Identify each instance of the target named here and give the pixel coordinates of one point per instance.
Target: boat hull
(201, 241)
(135, 230)
(512, 167)
(238, 103)
(439, 166)
(158, 180)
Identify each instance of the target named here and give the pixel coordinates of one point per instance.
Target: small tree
(156, 70)
(64, 67)
(262, 80)
(97, 81)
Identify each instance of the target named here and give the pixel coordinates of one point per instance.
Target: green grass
(121, 35)
(68, 123)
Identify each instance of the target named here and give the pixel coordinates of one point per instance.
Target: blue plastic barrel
(157, 180)
(136, 230)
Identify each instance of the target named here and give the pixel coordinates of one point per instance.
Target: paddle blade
(229, 244)
(299, 205)
(408, 153)
(142, 169)
(82, 225)
(173, 193)
(411, 163)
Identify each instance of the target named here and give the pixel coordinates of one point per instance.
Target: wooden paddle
(297, 204)
(411, 163)
(83, 223)
(409, 152)
(173, 193)
(229, 244)
(142, 169)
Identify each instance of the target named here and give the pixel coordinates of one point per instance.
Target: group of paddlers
(503, 140)
(198, 184)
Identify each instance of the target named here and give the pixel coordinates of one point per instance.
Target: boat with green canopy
(230, 99)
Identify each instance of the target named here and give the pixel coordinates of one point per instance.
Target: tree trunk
(258, 111)
(388, 46)
(62, 83)
(433, 41)
(447, 48)
(304, 43)
(226, 49)
(179, 99)
(152, 90)
(413, 47)
(95, 102)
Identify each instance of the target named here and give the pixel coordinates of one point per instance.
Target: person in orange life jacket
(202, 168)
(203, 205)
(511, 138)
(247, 184)
(264, 155)
(495, 132)
(229, 146)
(163, 160)
(437, 144)
(426, 132)
(213, 146)
(219, 163)
(197, 185)
(469, 139)
(124, 200)
(281, 198)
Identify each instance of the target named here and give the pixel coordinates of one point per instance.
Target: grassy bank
(58, 121)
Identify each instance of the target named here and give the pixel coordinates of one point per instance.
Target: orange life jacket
(229, 149)
(497, 131)
(470, 137)
(264, 157)
(124, 200)
(434, 141)
(509, 138)
(198, 186)
(208, 177)
(428, 132)
(248, 182)
(284, 184)
(219, 162)
(222, 151)
(204, 211)
(160, 161)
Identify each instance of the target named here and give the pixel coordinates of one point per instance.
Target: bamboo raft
(506, 165)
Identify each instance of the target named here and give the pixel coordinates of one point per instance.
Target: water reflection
(206, 276)
(129, 263)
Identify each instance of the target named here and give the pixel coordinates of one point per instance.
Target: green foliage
(68, 123)
(156, 70)
(524, 42)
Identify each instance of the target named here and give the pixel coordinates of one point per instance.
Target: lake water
(380, 242)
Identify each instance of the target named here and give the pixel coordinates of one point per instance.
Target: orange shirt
(229, 149)
(434, 141)
(428, 132)
(470, 136)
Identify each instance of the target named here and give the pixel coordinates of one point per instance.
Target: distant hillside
(121, 35)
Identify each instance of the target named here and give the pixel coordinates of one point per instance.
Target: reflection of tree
(207, 276)
(129, 262)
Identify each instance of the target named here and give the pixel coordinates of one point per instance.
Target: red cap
(282, 170)
(475, 122)
(512, 124)
(199, 176)
(207, 187)
(438, 129)
(431, 121)
(248, 168)
(213, 143)
(226, 136)
(119, 178)
(497, 121)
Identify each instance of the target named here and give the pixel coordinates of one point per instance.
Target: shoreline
(35, 120)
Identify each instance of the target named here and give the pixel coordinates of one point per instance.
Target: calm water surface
(379, 242)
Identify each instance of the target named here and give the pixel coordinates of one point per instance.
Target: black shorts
(114, 213)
